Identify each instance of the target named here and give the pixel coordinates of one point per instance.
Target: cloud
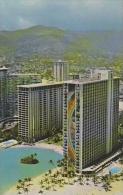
(94, 3)
(31, 3)
(70, 14)
(24, 23)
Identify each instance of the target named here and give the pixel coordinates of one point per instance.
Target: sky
(75, 15)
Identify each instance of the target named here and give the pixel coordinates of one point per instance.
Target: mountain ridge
(52, 42)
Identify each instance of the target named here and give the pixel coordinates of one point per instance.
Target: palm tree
(41, 184)
(94, 178)
(35, 154)
(23, 184)
(32, 156)
(18, 189)
(58, 161)
(20, 181)
(26, 179)
(46, 179)
(58, 173)
(51, 162)
(26, 190)
(29, 180)
(50, 172)
(87, 178)
(110, 174)
(40, 192)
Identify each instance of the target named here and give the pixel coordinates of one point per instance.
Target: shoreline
(42, 145)
(35, 188)
(67, 189)
(12, 190)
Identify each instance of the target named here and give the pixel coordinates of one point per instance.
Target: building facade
(90, 118)
(61, 71)
(3, 93)
(40, 110)
(13, 81)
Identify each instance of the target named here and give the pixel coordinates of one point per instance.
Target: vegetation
(36, 64)
(52, 180)
(61, 177)
(30, 159)
(120, 131)
(81, 50)
(120, 136)
(56, 179)
(23, 186)
(8, 134)
(121, 160)
(55, 139)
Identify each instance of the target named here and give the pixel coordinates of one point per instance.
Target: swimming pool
(11, 170)
(115, 170)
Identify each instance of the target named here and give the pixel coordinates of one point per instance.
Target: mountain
(55, 43)
(38, 39)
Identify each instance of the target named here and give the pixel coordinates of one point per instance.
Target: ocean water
(11, 170)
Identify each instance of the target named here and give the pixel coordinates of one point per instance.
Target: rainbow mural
(71, 125)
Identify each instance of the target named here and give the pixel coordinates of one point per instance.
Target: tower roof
(3, 68)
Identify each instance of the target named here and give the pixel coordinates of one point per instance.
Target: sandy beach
(76, 189)
(53, 147)
(117, 189)
(35, 187)
(87, 189)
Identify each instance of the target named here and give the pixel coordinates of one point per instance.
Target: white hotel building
(40, 110)
(61, 71)
(90, 118)
(3, 93)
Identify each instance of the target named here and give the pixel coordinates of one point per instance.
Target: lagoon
(11, 170)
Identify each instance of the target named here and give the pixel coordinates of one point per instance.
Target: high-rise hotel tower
(14, 80)
(61, 71)
(40, 110)
(3, 93)
(90, 120)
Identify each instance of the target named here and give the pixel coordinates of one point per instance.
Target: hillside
(38, 39)
(28, 50)
(56, 43)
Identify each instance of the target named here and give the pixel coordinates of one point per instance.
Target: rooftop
(27, 74)
(75, 82)
(60, 61)
(40, 84)
(95, 75)
(85, 81)
(3, 68)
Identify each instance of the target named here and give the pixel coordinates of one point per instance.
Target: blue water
(11, 170)
(115, 170)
